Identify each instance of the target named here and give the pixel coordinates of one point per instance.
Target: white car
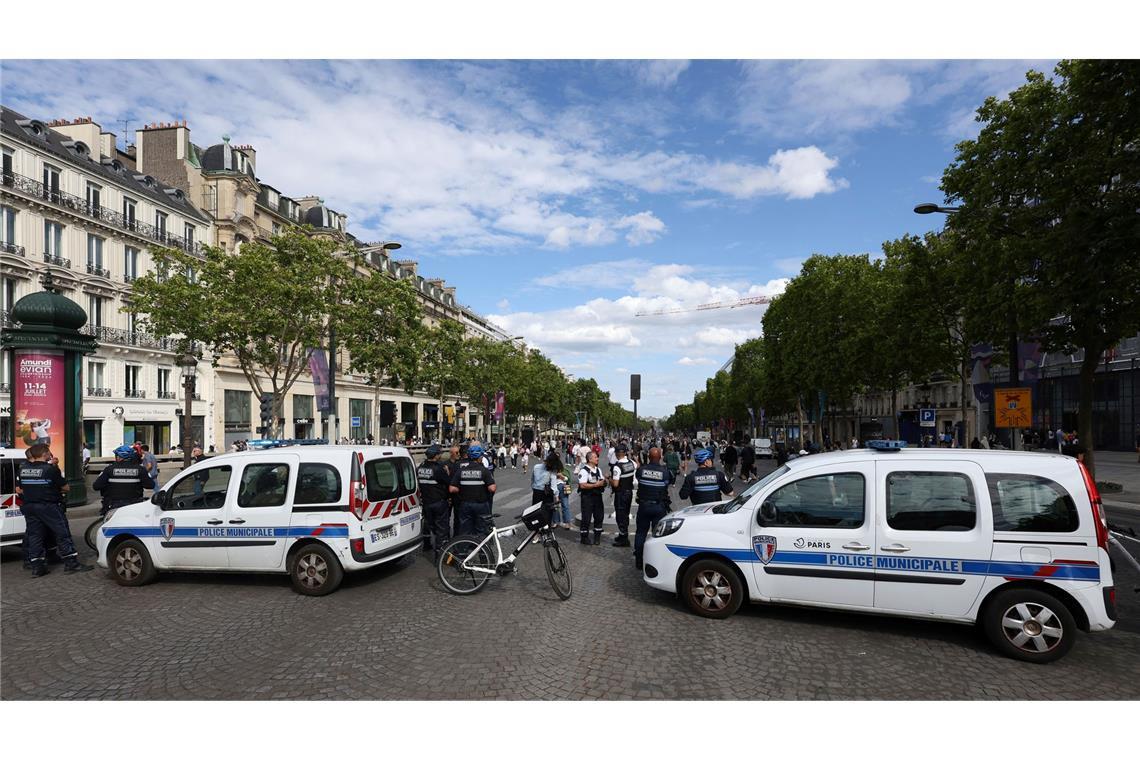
(763, 447)
(1014, 542)
(12, 524)
(313, 512)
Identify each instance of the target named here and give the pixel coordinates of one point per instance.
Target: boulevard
(394, 633)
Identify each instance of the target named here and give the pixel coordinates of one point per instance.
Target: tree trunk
(1084, 407)
(895, 413)
(963, 369)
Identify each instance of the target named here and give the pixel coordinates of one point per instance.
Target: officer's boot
(597, 537)
(73, 565)
(585, 536)
(622, 539)
(637, 561)
(39, 568)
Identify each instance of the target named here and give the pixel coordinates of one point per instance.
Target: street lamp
(189, 363)
(934, 208)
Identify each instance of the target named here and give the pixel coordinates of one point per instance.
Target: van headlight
(668, 526)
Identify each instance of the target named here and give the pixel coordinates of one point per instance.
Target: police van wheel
(130, 564)
(1030, 625)
(315, 571)
(712, 589)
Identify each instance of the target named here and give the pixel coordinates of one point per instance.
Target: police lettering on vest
(653, 483)
(472, 478)
(624, 471)
(123, 482)
(433, 480)
(705, 485)
(41, 482)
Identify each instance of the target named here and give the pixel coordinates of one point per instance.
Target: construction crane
(750, 301)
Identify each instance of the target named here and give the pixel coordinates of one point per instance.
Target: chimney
(84, 130)
(409, 265)
(162, 150)
(436, 283)
(251, 154)
(450, 290)
(107, 145)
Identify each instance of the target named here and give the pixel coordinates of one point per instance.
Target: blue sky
(561, 197)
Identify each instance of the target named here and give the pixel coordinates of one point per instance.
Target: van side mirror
(767, 513)
(158, 498)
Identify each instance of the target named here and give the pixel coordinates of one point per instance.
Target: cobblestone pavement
(393, 633)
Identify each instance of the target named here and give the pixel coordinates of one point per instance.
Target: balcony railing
(134, 393)
(6, 318)
(127, 337)
(98, 271)
(12, 248)
(109, 216)
(165, 394)
(100, 392)
(58, 261)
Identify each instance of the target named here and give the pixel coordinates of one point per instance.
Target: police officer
(591, 485)
(622, 481)
(474, 484)
(41, 486)
(124, 481)
(452, 464)
(706, 483)
(435, 498)
(653, 481)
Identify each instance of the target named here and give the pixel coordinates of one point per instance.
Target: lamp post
(189, 363)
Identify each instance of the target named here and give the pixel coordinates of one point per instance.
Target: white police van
(1014, 542)
(313, 512)
(12, 523)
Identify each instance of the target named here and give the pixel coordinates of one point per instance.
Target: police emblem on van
(765, 548)
(166, 525)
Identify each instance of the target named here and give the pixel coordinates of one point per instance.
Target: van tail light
(1097, 508)
(356, 487)
(357, 545)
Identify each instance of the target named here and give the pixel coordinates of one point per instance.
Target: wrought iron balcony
(100, 392)
(134, 393)
(98, 271)
(58, 261)
(165, 394)
(127, 337)
(109, 216)
(12, 248)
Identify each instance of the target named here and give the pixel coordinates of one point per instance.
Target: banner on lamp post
(319, 369)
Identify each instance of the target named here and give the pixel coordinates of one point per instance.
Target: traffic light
(266, 408)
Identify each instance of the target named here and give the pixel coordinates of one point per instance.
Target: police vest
(41, 482)
(624, 472)
(125, 482)
(433, 482)
(652, 482)
(593, 495)
(705, 486)
(473, 482)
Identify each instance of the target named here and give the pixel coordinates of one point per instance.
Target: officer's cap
(620, 448)
(434, 450)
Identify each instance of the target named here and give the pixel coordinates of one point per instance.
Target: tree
(441, 366)
(1048, 192)
(265, 305)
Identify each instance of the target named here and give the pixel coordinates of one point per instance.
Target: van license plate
(382, 534)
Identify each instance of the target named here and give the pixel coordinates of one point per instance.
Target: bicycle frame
(494, 534)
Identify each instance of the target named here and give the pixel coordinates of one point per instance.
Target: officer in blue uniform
(474, 484)
(622, 481)
(41, 486)
(653, 481)
(435, 498)
(123, 482)
(706, 483)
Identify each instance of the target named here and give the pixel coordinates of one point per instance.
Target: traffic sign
(355, 422)
(926, 418)
(1013, 407)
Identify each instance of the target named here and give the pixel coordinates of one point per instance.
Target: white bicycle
(468, 562)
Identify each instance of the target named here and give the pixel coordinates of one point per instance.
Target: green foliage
(380, 323)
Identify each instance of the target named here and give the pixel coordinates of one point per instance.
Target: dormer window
(33, 127)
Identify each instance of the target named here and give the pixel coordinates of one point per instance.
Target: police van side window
(205, 489)
(930, 501)
(1031, 503)
(822, 501)
(389, 478)
(263, 485)
(317, 484)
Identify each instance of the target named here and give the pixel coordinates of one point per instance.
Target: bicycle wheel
(558, 570)
(92, 533)
(453, 576)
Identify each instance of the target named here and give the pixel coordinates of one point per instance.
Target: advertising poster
(319, 368)
(38, 395)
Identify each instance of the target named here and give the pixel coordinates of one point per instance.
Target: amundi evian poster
(39, 400)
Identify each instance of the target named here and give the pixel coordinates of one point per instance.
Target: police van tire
(1029, 624)
(130, 564)
(314, 570)
(712, 589)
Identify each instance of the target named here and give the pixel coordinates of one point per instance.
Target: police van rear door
(935, 530)
(12, 522)
(391, 514)
(257, 521)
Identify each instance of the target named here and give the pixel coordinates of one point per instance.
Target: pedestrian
(653, 481)
(565, 519)
(673, 461)
(747, 462)
(41, 487)
(705, 484)
(1060, 435)
(591, 486)
(502, 455)
(621, 477)
(525, 458)
(85, 456)
(781, 455)
(728, 458)
(514, 455)
(435, 497)
(474, 484)
(975, 444)
(150, 464)
(541, 478)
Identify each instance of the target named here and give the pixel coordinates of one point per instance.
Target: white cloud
(689, 361)
(503, 304)
(663, 73)
(642, 228)
(621, 370)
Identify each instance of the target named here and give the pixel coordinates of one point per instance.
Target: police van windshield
(742, 498)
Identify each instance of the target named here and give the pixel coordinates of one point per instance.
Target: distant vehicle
(763, 447)
(704, 436)
(1015, 543)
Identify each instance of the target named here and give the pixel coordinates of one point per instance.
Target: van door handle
(238, 521)
(895, 548)
(213, 522)
(856, 547)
